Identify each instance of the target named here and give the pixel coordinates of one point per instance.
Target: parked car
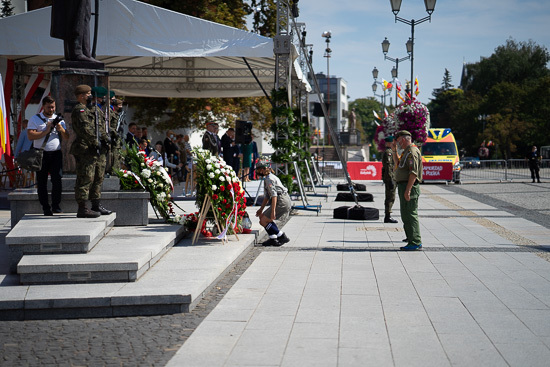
(471, 162)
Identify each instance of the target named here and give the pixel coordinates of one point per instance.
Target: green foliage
(363, 112)
(505, 99)
(291, 136)
(7, 9)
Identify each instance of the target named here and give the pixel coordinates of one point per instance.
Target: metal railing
(488, 170)
(502, 170)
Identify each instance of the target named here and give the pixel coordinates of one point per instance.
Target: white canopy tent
(153, 52)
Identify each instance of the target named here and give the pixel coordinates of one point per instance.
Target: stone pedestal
(64, 82)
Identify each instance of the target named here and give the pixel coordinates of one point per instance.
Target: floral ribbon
(230, 220)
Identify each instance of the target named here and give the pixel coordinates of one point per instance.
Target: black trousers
(52, 165)
(534, 171)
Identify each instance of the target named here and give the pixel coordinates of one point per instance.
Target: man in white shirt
(52, 162)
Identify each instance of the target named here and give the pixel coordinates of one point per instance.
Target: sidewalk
(342, 294)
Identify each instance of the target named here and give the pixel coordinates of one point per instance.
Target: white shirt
(38, 124)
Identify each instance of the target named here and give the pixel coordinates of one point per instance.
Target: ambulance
(440, 146)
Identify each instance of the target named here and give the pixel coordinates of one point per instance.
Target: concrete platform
(131, 206)
(60, 234)
(176, 282)
(123, 255)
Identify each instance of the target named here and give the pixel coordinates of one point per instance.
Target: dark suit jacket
(131, 139)
(228, 150)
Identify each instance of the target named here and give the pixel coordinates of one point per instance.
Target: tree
(445, 85)
(264, 17)
(7, 9)
(505, 99)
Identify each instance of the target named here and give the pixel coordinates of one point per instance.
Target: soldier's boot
(389, 219)
(97, 207)
(84, 212)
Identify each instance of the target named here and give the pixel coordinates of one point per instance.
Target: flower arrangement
(414, 117)
(148, 174)
(218, 180)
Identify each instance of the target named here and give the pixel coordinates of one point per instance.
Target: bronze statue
(71, 23)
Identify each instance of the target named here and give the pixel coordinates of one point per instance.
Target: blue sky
(460, 30)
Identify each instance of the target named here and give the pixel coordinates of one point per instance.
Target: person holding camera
(48, 123)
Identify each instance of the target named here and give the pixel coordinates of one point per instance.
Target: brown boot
(84, 212)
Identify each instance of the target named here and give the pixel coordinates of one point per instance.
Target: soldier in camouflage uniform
(90, 153)
(388, 177)
(116, 141)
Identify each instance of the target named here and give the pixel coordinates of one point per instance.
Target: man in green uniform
(388, 178)
(408, 175)
(90, 150)
(116, 141)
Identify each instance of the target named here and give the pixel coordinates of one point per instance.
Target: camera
(58, 118)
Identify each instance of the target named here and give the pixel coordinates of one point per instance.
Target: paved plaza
(342, 294)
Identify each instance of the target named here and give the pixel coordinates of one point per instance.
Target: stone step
(131, 206)
(59, 234)
(123, 255)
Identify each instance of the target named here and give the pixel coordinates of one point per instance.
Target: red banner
(365, 170)
(437, 171)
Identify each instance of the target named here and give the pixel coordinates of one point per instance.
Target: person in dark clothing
(131, 138)
(230, 150)
(533, 160)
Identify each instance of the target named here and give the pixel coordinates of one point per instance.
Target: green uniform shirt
(387, 166)
(410, 162)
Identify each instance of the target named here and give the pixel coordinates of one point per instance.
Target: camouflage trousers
(390, 197)
(90, 172)
(115, 159)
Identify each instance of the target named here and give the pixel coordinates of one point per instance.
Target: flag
(387, 85)
(376, 115)
(398, 85)
(45, 94)
(416, 91)
(386, 113)
(4, 123)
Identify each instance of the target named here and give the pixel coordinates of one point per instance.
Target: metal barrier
(503, 170)
(488, 170)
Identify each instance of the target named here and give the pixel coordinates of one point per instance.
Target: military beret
(111, 94)
(402, 133)
(99, 92)
(82, 89)
(388, 139)
(211, 123)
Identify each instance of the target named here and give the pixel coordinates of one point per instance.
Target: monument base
(81, 65)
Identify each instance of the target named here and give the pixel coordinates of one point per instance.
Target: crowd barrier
(488, 170)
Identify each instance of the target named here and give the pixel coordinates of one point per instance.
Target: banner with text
(365, 170)
(437, 171)
(373, 171)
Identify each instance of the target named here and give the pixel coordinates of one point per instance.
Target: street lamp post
(395, 69)
(327, 35)
(395, 7)
(375, 87)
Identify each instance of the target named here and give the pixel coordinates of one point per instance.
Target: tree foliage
(505, 99)
(7, 9)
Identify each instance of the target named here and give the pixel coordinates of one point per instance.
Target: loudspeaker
(243, 132)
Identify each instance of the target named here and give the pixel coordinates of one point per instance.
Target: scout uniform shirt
(273, 186)
(410, 162)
